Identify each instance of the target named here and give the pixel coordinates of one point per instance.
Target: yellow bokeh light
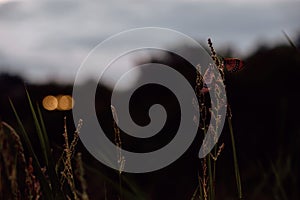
(59, 102)
(65, 102)
(50, 102)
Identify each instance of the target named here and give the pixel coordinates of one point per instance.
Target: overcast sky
(48, 39)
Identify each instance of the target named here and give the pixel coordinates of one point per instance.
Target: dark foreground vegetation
(264, 100)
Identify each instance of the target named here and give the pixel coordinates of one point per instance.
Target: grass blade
(278, 180)
(290, 41)
(47, 194)
(51, 165)
(236, 165)
(38, 130)
(210, 178)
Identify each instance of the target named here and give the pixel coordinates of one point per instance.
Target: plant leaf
(47, 194)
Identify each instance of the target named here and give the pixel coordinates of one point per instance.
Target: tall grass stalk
(290, 41)
(235, 160)
(46, 190)
(118, 141)
(45, 146)
(220, 67)
(50, 178)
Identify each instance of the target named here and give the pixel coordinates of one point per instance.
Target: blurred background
(43, 43)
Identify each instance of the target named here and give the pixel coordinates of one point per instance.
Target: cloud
(50, 38)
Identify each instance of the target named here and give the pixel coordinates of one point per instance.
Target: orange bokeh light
(60, 102)
(50, 102)
(65, 102)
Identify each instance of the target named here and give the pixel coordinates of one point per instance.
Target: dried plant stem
(213, 53)
(208, 180)
(206, 183)
(118, 141)
(80, 176)
(11, 160)
(205, 180)
(229, 116)
(67, 173)
(201, 191)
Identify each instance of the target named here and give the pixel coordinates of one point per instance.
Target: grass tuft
(46, 182)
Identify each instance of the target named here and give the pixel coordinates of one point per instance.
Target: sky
(49, 39)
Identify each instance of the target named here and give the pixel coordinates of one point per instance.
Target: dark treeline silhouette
(264, 98)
